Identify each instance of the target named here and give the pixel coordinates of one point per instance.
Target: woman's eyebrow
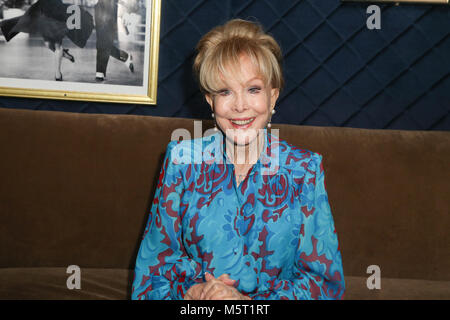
(253, 79)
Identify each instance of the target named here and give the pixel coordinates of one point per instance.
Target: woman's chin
(242, 138)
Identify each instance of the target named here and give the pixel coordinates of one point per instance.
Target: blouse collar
(268, 162)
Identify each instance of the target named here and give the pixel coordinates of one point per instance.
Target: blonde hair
(220, 49)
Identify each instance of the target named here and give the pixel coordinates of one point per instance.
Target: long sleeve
(317, 272)
(163, 270)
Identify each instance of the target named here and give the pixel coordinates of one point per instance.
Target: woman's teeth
(242, 122)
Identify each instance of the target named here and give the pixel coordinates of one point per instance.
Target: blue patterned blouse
(274, 233)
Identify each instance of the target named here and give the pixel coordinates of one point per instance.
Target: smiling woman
(239, 71)
(234, 230)
(243, 103)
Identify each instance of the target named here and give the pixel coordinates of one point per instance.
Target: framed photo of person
(87, 50)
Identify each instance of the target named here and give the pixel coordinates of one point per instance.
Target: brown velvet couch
(75, 189)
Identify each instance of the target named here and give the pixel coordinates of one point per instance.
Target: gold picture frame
(134, 82)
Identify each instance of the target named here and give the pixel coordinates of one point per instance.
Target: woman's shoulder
(193, 144)
(293, 157)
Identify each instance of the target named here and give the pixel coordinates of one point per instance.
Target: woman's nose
(240, 103)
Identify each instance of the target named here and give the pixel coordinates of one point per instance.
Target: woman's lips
(242, 123)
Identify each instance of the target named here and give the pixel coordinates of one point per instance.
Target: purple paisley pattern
(274, 233)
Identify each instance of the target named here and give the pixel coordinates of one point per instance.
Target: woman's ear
(210, 100)
(275, 92)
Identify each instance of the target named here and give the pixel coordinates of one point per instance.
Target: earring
(215, 124)
(269, 125)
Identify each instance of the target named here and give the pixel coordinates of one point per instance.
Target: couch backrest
(77, 188)
(389, 192)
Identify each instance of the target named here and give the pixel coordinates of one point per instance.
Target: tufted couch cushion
(114, 284)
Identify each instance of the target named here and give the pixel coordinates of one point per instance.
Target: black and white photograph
(295, 151)
(97, 50)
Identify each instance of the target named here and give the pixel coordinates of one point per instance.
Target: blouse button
(235, 250)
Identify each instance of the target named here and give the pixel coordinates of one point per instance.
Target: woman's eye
(254, 89)
(224, 92)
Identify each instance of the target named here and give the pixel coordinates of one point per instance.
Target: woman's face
(244, 104)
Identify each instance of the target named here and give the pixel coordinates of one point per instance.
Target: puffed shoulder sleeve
(318, 259)
(317, 271)
(163, 270)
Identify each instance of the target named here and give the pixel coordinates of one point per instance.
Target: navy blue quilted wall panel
(338, 72)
